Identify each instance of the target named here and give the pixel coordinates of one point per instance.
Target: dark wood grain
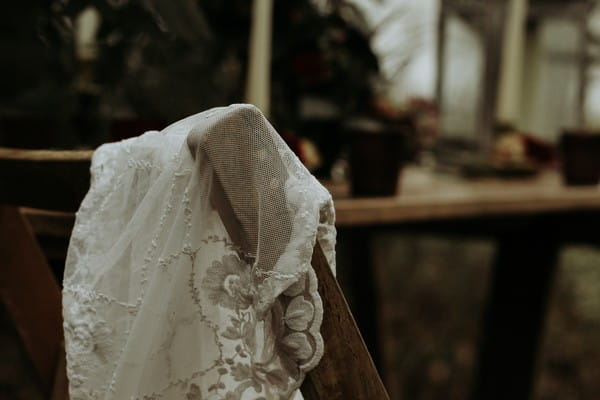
(49, 180)
(60, 391)
(346, 370)
(54, 180)
(30, 294)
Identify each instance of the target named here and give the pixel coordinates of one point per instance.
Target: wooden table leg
(514, 319)
(360, 280)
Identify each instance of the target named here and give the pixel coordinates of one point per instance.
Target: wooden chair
(57, 181)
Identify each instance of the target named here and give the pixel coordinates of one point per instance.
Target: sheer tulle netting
(188, 274)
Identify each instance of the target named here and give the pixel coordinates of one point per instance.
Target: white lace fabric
(188, 274)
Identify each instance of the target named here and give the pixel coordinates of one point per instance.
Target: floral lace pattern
(159, 301)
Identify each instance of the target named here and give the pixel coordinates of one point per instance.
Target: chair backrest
(58, 180)
(28, 291)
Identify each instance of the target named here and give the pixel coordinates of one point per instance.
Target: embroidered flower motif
(297, 344)
(81, 337)
(228, 283)
(296, 288)
(87, 334)
(76, 383)
(257, 376)
(194, 393)
(298, 314)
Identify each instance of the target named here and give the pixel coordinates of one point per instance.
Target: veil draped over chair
(189, 269)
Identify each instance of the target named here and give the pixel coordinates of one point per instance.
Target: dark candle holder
(580, 151)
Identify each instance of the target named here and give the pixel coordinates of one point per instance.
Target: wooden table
(529, 218)
(426, 196)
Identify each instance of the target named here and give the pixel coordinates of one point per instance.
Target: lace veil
(188, 274)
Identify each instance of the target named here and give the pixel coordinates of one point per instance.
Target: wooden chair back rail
(58, 180)
(51, 180)
(346, 370)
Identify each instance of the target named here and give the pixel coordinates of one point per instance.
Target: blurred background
(467, 90)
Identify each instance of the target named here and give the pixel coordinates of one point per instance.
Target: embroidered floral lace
(188, 274)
